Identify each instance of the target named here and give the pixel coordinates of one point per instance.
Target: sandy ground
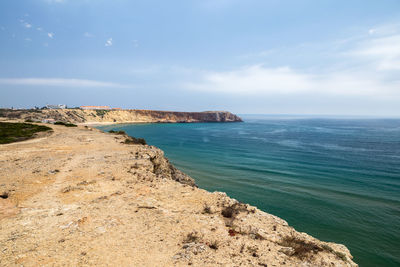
(80, 197)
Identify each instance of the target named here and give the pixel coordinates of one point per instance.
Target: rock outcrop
(119, 116)
(82, 197)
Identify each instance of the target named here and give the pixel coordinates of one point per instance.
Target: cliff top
(82, 197)
(84, 116)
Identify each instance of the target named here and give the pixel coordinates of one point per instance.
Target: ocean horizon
(336, 178)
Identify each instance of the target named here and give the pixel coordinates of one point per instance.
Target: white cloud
(61, 82)
(109, 42)
(27, 25)
(28, 39)
(383, 52)
(50, 35)
(363, 66)
(258, 80)
(39, 29)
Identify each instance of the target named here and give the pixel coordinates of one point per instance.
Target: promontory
(77, 196)
(104, 116)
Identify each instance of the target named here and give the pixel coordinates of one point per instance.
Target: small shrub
(253, 251)
(301, 247)
(338, 254)
(29, 120)
(233, 210)
(66, 124)
(214, 245)
(206, 209)
(134, 141)
(117, 132)
(191, 237)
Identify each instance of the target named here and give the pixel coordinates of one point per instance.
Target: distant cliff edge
(118, 116)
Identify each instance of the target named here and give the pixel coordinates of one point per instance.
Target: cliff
(82, 197)
(119, 116)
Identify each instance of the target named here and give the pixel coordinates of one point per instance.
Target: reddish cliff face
(120, 116)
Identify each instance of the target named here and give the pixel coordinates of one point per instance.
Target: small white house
(59, 106)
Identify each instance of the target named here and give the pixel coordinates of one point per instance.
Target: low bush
(14, 132)
(300, 246)
(134, 141)
(117, 132)
(191, 237)
(101, 112)
(66, 124)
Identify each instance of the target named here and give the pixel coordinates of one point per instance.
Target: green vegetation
(101, 112)
(135, 141)
(66, 124)
(14, 132)
(117, 132)
(301, 247)
(338, 254)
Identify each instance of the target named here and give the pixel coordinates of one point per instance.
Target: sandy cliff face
(81, 197)
(123, 116)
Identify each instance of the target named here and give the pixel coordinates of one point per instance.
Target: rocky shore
(80, 116)
(82, 197)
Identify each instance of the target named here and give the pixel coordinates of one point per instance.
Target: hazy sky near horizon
(255, 56)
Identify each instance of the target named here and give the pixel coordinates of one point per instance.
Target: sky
(332, 57)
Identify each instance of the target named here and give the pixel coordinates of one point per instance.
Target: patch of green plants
(101, 112)
(66, 124)
(338, 254)
(117, 132)
(134, 141)
(301, 247)
(13, 132)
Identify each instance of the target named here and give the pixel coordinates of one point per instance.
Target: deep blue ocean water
(336, 179)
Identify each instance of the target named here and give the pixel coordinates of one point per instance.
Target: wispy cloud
(382, 51)
(258, 80)
(50, 35)
(369, 67)
(109, 42)
(88, 35)
(27, 25)
(59, 82)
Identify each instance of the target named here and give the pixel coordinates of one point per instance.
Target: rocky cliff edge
(82, 197)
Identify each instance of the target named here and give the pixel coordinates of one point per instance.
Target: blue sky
(253, 56)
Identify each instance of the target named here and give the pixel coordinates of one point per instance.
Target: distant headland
(108, 115)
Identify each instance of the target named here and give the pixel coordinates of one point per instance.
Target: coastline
(93, 116)
(98, 173)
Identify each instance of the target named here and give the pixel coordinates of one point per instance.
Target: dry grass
(300, 246)
(191, 238)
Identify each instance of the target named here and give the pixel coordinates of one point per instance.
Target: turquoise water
(336, 179)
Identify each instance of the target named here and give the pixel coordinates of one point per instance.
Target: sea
(337, 179)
